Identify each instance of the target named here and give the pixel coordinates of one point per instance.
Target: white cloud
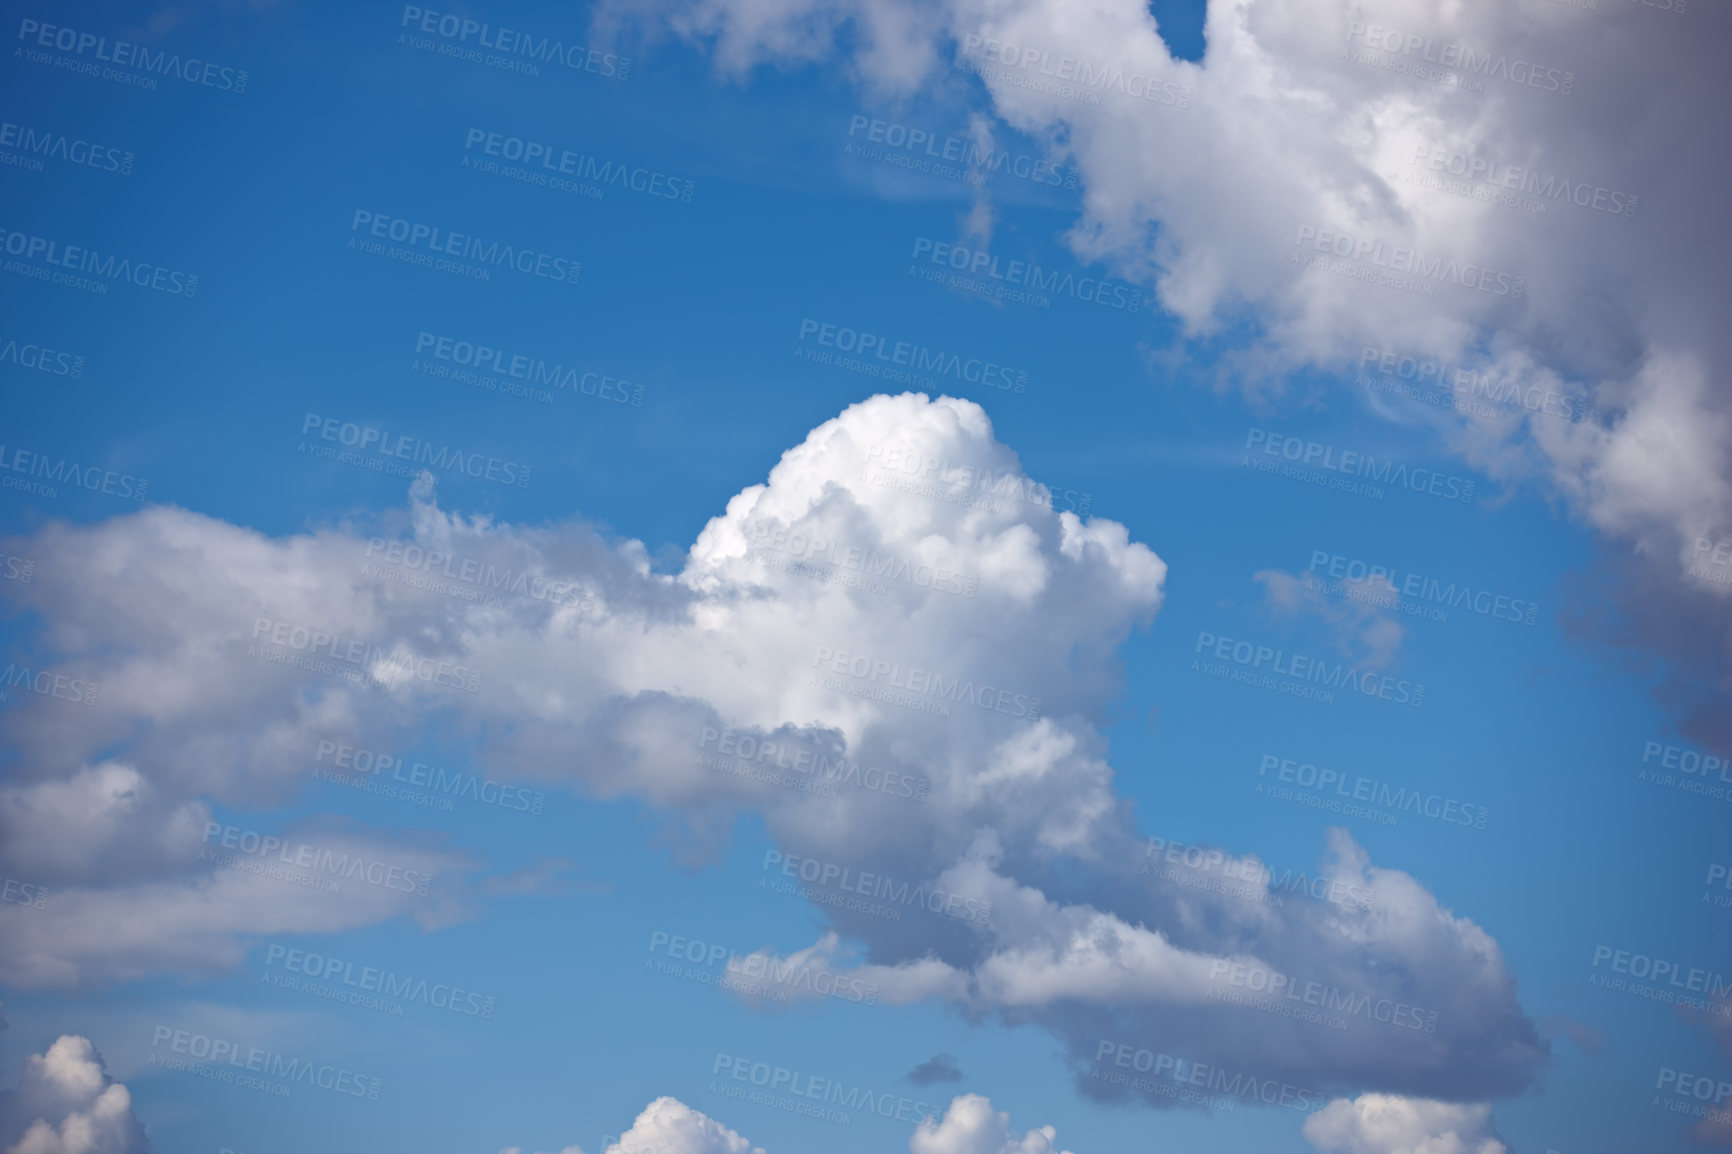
(971, 1126)
(66, 1104)
(1385, 1124)
(1300, 124)
(198, 920)
(669, 1126)
(1355, 620)
(759, 635)
(99, 821)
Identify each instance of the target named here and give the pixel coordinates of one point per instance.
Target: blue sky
(712, 306)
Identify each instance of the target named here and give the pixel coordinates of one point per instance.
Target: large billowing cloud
(1517, 191)
(67, 1104)
(892, 652)
(1384, 1124)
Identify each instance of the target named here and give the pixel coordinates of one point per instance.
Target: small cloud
(939, 1068)
(1716, 1129)
(544, 877)
(1391, 1124)
(972, 1126)
(1588, 1039)
(1356, 621)
(669, 1126)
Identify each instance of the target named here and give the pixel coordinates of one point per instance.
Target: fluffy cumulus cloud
(971, 1126)
(1384, 1124)
(67, 1104)
(1503, 202)
(896, 684)
(669, 1126)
